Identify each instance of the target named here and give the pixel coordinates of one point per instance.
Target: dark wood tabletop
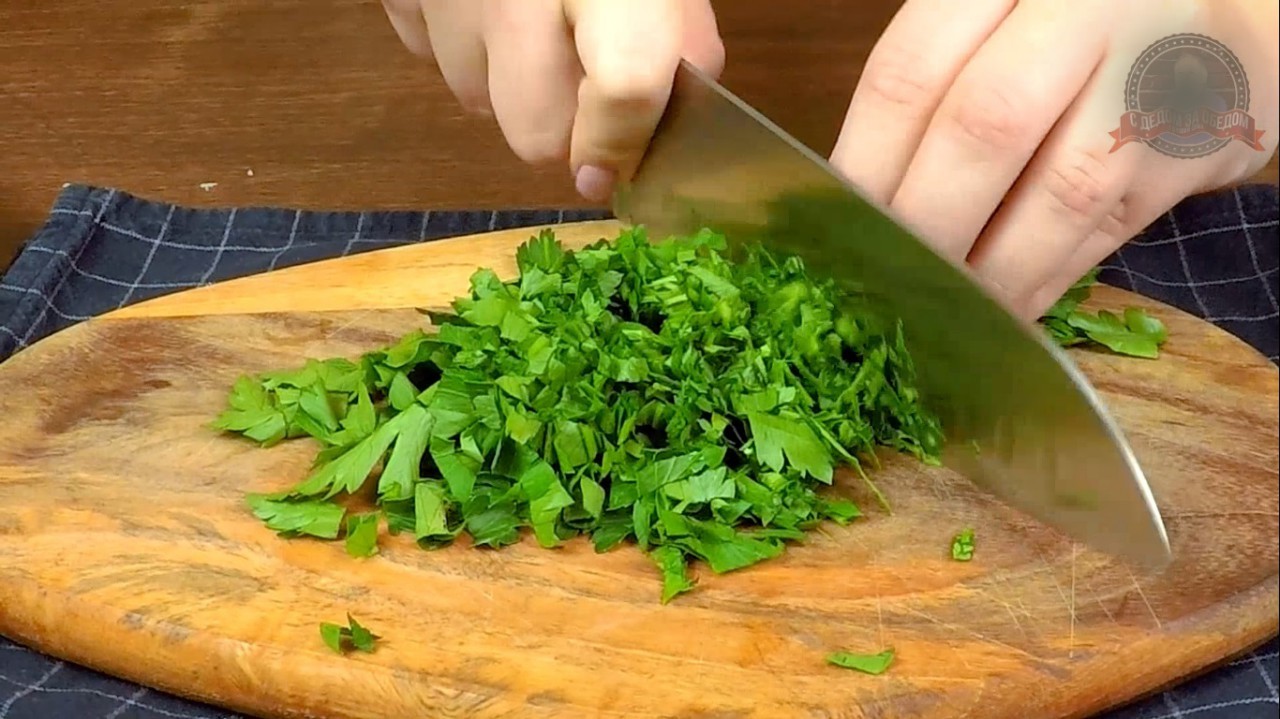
(315, 104)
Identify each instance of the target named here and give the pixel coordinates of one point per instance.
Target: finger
(457, 42)
(629, 50)
(1002, 105)
(1087, 255)
(1158, 187)
(533, 76)
(406, 19)
(1062, 196)
(700, 42)
(905, 77)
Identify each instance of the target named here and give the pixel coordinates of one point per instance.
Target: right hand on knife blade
(567, 80)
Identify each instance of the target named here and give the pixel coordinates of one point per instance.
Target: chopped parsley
(865, 663)
(362, 534)
(343, 639)
(962, 546)
(653, 393)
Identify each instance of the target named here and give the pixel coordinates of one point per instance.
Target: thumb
(629, 50)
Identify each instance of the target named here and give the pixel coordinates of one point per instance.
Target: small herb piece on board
(865, 663)
(962, 546)
(1136, 333)
(675, 576)
(362, 534)
(343, 639)
(654, 393)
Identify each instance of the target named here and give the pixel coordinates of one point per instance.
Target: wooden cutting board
(126, 544)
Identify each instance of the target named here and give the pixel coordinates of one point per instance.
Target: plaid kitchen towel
(1216, 256)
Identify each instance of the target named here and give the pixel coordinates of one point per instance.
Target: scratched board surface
(128, 546)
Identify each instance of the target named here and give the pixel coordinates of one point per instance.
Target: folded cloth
(1216, 256)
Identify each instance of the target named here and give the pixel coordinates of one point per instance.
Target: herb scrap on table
(865, 663)
(962, 546)
(353, 636)
(630, 391)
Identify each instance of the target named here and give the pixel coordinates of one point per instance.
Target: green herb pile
(629, 391)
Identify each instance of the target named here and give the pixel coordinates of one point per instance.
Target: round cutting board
(127, 545)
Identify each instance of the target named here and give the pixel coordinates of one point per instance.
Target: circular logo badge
(1186, 96)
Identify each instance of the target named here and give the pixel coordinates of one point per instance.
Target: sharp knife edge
(1045, 442)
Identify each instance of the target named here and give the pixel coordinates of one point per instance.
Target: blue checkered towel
(1216, 256)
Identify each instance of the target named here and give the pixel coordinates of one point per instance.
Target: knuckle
(1115, 223)
(893, 76)
(993, 116)
(633, 84)
(1081, 187)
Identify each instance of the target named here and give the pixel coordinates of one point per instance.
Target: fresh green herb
(362, 534)
(629, 391)
(675, 576)
(295, 518)
(278, 406)
(962, 546)
(343, 639)
(865, 663)
(1135, 333)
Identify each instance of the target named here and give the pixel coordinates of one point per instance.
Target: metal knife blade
(1021, 421)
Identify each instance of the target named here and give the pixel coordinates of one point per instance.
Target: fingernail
(594, 183)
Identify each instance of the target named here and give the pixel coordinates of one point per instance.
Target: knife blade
(1022, 422)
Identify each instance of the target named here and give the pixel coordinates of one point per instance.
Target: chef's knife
(1021, 421)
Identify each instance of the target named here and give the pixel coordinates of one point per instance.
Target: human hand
(568, 81)
(985, 126)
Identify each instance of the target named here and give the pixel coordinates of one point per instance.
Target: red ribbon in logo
(1233, 124)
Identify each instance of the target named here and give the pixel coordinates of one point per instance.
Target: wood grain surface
(322, 103)
(314, 104)
(128, 547)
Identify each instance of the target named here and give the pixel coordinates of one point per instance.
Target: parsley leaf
(362, 534)
(252, 412)
(865, 663)
(962, 546)
(1136, 333)
(290, 518)
(675, 576)
(431, 511)
(343, 639)
(402, 467)
(775, 436)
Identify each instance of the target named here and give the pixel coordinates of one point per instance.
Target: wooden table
(315, 104)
